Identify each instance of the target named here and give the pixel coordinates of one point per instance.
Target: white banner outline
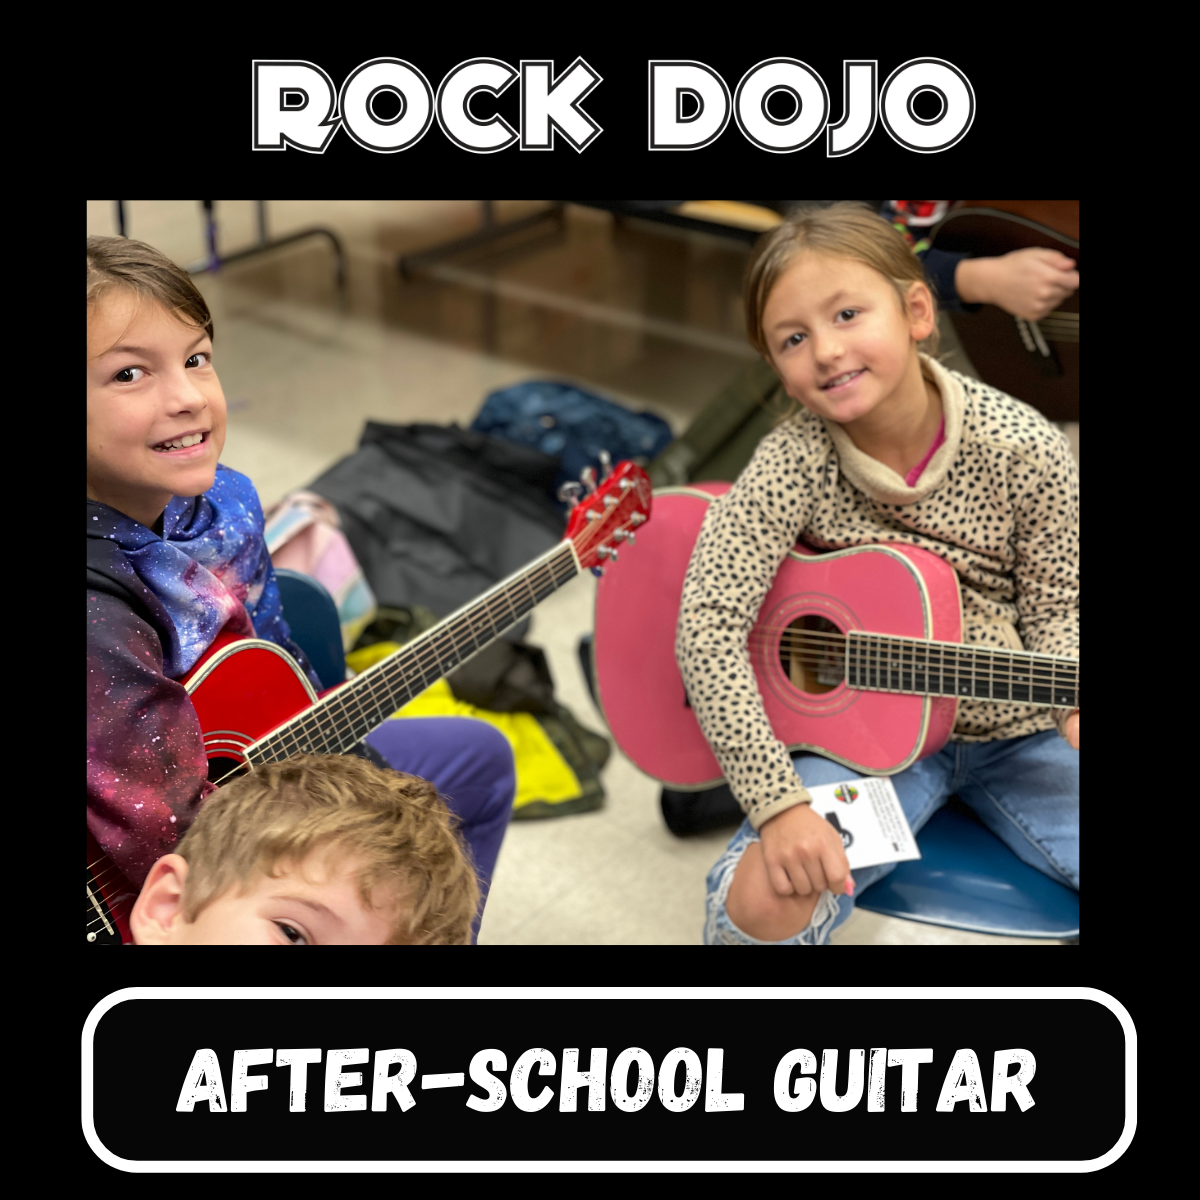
(580, 1166)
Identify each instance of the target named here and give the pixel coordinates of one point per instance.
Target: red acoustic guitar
(255, 704)
(858, 654)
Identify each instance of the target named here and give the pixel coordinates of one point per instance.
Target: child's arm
(1046, 567)
(1029, 283)
(745, 536)
(147, 770)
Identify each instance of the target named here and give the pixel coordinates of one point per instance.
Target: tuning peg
(597, 571)
(588, 477)
(570, 492)
(623, 535)
(605, 465)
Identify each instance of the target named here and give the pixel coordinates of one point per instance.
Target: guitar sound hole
(224, 770)
(812, 653)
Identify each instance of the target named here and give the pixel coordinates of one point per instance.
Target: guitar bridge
(100, 929)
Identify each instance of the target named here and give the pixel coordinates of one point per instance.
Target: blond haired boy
(315, 850)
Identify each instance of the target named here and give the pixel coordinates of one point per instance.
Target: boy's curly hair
(397, 826)
(117, 262)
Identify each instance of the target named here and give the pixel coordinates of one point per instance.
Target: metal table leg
(215, 261)
(491, 230)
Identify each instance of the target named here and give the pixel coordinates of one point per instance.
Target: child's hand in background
(1073, 730)
(1028, 283)
(804, 853)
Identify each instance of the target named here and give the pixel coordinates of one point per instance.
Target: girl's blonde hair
(117, 262)
(847, 228)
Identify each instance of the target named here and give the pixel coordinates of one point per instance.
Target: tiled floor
(647, 316)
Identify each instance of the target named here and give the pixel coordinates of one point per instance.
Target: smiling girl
(884, 445)
(176, 555)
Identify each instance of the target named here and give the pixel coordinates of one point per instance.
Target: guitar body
(899, 590)
(242, 688)
(993, 338)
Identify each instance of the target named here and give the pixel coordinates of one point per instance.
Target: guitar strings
(884, 670)
(983, 664)
(429, 650)
(832, 641)
(761, 632)
(389, 687)
(877, 653)
(374, 699)
(380, 688)
(990, 668)
(110, 877)
(378, 697)
(934, 668)
(987, 655)
(917, 652)
(107, 875)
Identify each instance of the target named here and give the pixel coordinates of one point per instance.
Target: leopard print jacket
(999, 501)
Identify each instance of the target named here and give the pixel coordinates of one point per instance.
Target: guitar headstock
(605, 515)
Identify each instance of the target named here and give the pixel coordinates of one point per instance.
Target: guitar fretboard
(341, 720)
(880, 663)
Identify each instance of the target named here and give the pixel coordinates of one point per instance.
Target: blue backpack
(573, 425)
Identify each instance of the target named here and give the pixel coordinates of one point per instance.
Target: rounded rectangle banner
(609, 1079)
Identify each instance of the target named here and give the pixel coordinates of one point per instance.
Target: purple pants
(471, 764)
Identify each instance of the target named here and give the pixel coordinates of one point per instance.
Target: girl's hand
(1029, 283)
(1073, 730)
(804, 853)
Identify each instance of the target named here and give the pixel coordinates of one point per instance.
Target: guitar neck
(881, 663)
(345, 717)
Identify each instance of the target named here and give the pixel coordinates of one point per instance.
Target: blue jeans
(1025, 790)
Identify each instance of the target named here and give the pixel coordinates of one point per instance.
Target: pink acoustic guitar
(858, 654)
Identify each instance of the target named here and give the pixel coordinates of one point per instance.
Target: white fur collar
(881, 482)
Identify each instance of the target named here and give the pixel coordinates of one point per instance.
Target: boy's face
(314, 903)
(150, 382)
(839, 338)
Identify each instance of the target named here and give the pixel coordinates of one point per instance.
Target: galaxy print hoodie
(155, 604)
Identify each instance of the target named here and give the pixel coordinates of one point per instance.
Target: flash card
(867, 813)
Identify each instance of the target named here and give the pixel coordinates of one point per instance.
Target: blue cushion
(968, 878)
(312, 616)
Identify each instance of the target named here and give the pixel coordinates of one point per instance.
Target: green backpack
(722, 439)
